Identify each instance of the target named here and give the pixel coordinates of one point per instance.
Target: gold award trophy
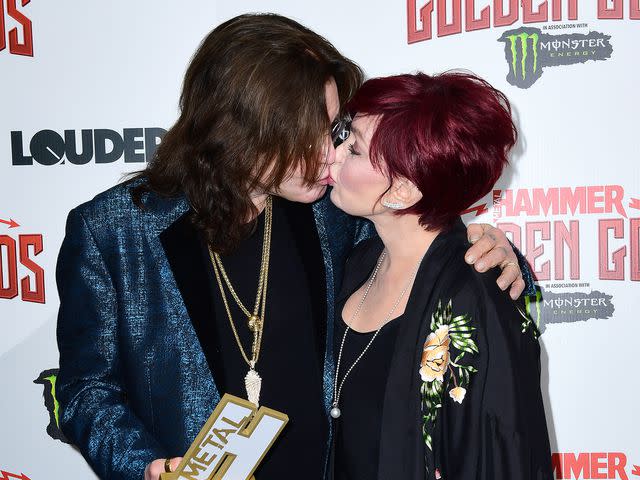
(232, 442)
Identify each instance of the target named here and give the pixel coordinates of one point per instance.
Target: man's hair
(252, 107)
(449, 134)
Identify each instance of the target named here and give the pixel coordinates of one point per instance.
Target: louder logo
(101, 146)
(16, 30)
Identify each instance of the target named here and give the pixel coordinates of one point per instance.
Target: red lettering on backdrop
(574, 201)
(604, 12)
(616, 464)
(556, 464)
(617, 258)
(3, 41)
(635, 249)
(594, 199)
(28, 294)
(473, 23)
(571, 238)
(556, 10)
(613, 197)
(501, 19)
(589, 465)
(8, 267)
(598, 463)
(455, 26)
(634, 9)
(415, 35)
(575, 467)
(573, 9)
(15, 47)
(536, 251)
(529, 16)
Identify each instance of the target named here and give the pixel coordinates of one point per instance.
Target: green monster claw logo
(524, 49)
(48, 380)
(536, 300)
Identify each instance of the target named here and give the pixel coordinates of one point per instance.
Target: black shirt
(357, 430)
(292, 352)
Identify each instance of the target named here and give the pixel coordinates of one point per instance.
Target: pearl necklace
(337, 390)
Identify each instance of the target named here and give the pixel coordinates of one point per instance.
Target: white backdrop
(118, 65)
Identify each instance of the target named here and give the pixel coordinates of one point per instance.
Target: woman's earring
(393, 205)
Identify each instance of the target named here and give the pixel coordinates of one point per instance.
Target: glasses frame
(340, 129)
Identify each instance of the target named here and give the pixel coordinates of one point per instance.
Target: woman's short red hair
(450, 134)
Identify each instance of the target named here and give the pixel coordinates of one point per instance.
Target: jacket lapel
(160, 213)
(174, 244)
(184, 250)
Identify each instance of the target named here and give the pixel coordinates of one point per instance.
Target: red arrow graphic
(479, 209)
(12, 224)
(636, 470)
(8, 476)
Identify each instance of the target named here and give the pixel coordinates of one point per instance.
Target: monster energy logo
(48, 379)
(546, 307)
(524, 50)
(528, 51)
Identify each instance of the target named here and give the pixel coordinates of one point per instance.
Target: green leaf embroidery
(445, 330)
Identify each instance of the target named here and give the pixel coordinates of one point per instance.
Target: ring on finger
(167, 465)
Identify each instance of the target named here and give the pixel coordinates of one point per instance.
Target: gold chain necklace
(255, 319)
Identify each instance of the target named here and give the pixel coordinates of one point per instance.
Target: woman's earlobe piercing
(393, 205)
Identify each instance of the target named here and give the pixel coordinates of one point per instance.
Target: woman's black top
(357, 430)
(462, 396)
(292, 352)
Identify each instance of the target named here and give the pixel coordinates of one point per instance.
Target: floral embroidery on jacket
(446, 330)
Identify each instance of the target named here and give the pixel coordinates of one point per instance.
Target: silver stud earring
(393, 205)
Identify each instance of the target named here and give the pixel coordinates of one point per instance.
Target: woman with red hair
(435, 375)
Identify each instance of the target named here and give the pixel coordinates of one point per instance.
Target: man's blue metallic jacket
(134, 384)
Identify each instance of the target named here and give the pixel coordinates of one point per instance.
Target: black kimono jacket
(462, 398)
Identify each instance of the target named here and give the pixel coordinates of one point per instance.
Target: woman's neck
(405, 241)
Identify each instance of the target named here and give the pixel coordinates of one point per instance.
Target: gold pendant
(255, 323)
(253, 383)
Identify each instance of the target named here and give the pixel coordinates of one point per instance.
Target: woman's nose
(340, 152)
